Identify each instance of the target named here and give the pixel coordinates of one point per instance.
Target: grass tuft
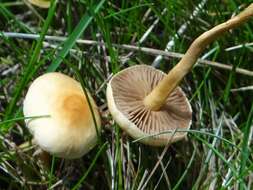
(92, 40)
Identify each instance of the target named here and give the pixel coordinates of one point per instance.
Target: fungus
(41, 3)
(69, 131)
(145, 101)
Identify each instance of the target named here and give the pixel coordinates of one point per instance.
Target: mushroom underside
(132, 85)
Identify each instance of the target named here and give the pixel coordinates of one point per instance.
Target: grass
(217, 153)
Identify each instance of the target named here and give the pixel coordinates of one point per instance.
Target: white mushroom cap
(69, 131)
(125, 94)
(41, 3)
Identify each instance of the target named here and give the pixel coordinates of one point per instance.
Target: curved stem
(159, 94)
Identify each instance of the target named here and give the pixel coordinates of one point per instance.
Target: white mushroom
(145, 101)
(70, 130)
(125, 94)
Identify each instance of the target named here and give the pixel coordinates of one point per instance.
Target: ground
(217, 153)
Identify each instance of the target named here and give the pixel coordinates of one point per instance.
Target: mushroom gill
(129, 89)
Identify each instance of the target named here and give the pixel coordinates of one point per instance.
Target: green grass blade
(82, 82)
(221, 157)
(101, 149)
(51, 172)
(22, 118)
(122, 11)
(9, 16)
(185, 172)
(245, 148)
(32, 62)
(70, 42)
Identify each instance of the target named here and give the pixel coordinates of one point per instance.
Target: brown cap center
(75, 109)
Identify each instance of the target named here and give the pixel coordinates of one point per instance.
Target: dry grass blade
(179, 32)
(216, 154)
(150, 51)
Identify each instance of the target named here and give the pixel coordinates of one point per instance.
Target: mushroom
(147, 103)
(41, 3)
(70, 129)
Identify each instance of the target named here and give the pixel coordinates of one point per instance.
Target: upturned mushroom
(145, 101)
(40, 3)
(70, 129)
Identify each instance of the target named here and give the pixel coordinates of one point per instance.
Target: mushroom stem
(159, 94)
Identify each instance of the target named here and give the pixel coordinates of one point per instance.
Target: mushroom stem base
(153, 104)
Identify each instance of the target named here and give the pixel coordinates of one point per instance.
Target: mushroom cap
(41, 3)
(69, 131)
(125, 94)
